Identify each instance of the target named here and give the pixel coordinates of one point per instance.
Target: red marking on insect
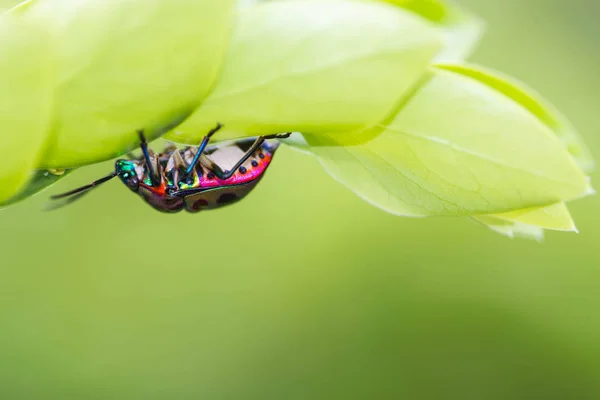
(160, 190)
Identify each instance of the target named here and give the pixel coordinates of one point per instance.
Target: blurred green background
(303, 291)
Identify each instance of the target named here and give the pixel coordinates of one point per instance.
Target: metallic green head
(126, 171)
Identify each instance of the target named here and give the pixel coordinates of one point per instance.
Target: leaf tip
(590, 189)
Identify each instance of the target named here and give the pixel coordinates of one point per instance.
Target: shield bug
(192, 178)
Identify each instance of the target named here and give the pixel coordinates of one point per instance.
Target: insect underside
(192, 178)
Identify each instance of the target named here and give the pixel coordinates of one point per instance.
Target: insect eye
(133, 183)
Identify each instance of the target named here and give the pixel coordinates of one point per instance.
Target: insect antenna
(85, 188)
(60, 203)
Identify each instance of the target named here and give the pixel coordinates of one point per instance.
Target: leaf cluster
(379, 90)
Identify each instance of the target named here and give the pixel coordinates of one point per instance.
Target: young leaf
(511, 229)
(326, 66)
(531, 100)
(530, 223)
(554, 217)
(27, 81)
(458, 146)
(125, 65)
(39, 181)
(7, 4)
(461, 29)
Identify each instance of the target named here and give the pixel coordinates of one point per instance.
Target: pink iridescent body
(202, 189)
(238, 178)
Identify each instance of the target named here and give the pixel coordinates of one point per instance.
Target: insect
(193, 179)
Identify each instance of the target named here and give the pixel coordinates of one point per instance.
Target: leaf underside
(457, 147)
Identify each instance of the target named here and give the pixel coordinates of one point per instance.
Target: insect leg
(201, 148)
(279, 136)
(257, 143)
(228, 174)
(144, 146)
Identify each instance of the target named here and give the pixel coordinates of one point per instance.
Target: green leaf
(533, 102)
(458, 146)
(38, 182)
(554, 217)
(126, 65)
(462, 30)
(530, 223)
(511, 229)
(27, 81)
(7, 4)
(326, 66)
